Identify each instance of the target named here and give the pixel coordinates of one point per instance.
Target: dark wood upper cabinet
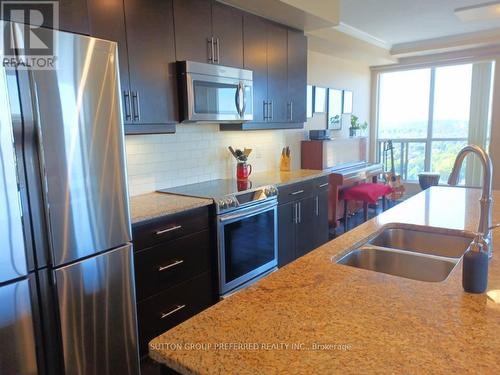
(297, 76)
(278, 58)
(255, 58)
(151, 53)
(193, 30)
(153, 34)
(73, 16)
(277, 72)
(227, 28)
(207, 31)
(107, 21)
(144, 32)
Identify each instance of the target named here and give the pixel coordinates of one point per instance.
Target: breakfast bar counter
(318, 317)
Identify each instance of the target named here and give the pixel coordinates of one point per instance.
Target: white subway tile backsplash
(196, 153)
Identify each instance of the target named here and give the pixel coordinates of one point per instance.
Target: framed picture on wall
(334, 111)
(310, 101)
(319, 99)
(347, 105)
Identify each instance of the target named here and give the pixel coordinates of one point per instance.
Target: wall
(198, 152)
(328, 71)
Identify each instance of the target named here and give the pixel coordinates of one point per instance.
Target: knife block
(285, 163)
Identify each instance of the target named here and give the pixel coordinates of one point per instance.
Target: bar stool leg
(365, 211)
(345, 216)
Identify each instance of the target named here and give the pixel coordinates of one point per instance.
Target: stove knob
(222, 204)
(270, 191)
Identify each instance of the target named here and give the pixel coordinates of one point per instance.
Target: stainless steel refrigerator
(67, 299)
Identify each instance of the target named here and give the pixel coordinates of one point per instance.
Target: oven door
(211, 98)
(248, 244)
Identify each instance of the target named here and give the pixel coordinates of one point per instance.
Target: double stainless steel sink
(413, 252)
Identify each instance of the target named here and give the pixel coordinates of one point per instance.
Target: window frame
(430, 121)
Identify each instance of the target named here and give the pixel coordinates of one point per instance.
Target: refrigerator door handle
(13, 257)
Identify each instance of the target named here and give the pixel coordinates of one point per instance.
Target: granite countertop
(279, 178)
(149, 206)
(315, 316)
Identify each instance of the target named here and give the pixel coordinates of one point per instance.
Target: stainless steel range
(247, 228)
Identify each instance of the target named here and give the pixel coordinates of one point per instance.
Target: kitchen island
(316, 316)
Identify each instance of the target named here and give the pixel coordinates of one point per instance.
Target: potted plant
(356, 126)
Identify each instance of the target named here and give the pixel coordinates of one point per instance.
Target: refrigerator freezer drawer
(96, 302)
(17, 338)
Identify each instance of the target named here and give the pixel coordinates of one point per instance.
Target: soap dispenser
(475, 266)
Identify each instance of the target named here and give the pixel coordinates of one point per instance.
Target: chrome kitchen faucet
(486, 200)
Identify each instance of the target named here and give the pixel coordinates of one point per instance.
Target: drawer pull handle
(163, 231)
(323, 185)
(173, 264)
(297, 192)
(173, 311)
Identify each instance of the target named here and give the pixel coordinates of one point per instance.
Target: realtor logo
(31, 41)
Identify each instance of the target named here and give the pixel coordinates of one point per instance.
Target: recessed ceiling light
(480, 12)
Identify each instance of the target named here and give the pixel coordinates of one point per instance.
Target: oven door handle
(247, 212)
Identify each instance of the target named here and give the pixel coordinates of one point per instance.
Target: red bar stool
(366, 193)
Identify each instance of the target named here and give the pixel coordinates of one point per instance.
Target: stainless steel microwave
(214, 93)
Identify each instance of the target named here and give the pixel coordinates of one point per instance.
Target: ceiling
(396, 22)
(383, 31)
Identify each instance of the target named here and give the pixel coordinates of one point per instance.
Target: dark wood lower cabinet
(165, 310)
(302, 218)
(167, 264)
(286, 233)
(321, 223)
(174, 256)
(305, 231)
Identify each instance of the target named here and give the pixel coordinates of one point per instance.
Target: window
(426, 113)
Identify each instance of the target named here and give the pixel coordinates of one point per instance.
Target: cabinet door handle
(211, 50)
(170, 265)
(173, 311)
(290, 111)
(323, 185)
(171, 229)
(299, 216)
(271, 116)
(265, 110)
(295, 213)
(297, 192)
(316, 198)
(217, 44)
(138, 99)
(126, 96)
(136, 106)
